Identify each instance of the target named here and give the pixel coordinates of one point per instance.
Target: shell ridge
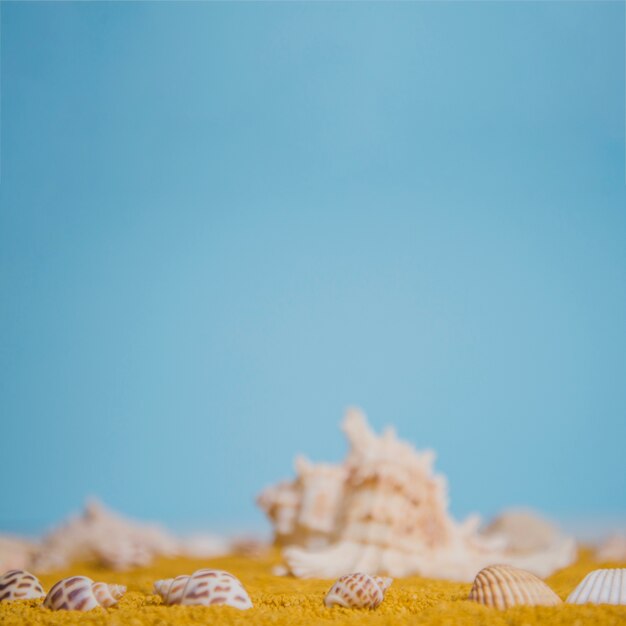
(596, 583)
(80, 593)
(602, 586)
(503, 586)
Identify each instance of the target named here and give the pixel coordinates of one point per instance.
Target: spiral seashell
(18, 584)
(357, 591)
(384, 511)
(602, 586)
(80, 593)
(503, 586)
(207, 587)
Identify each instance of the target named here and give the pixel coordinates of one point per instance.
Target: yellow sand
(291, 601)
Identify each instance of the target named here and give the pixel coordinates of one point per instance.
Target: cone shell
(18, 584)
(80, 593)
(206, 587)
(602, 586)
(503, 586)
(357, 591)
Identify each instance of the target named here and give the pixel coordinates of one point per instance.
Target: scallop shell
(18, 584)
(503, 586)
(80, 593)
(602, 586)
(357, 591)
(205, 587)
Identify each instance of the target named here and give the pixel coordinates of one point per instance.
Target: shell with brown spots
(205, 587)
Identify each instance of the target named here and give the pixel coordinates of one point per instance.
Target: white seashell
(15, 552)
(79, 593)
(602, 586)
(18, 584)
(205, 587)
(384, 510)
(613, 548)
(105, 537)
(503, 586)
(357, 591)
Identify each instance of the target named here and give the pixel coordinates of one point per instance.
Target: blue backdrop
(222, 223)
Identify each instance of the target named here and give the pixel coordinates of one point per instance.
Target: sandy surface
(280, 600)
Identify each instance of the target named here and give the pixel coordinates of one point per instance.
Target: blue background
(221, 224)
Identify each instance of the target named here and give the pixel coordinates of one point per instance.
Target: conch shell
(357, 591)
(205, 587)
(80, 593)
(503, 586)
(103, 536)
(385, 511)
(613, 548)
(602, 586)
(17, 584)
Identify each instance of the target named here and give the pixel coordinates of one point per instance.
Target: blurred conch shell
(385, 511)
(80, 593)
(613, 548)
(602, 586)
(533, 542)
(503, 586)
(113, 541)
(357, 591)
(18, 584)
(109, 539)
(15, 552)
(205, 587)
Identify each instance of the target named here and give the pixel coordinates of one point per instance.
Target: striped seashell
(18, 584)
(503, 586)
(206, 587)
(602, 586)
(80, 593)
(357, 591)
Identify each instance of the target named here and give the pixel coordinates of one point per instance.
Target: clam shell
(79, 593)
(18, 584)
(602, 586)
(206, 587)
(357, 591)
(503, 586)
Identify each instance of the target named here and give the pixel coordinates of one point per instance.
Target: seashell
(79, 593)
(18, 584)
(357, 591)
(602, 586)
(206, 587)
(101, 535)
(385, 510)
(523, 531)
(503, 586)
(613, 548)
(304, 512)
(15, 552)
